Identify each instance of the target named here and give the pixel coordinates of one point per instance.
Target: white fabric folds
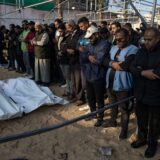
(22, 95)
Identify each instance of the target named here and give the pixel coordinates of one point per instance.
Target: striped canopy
(46, 7)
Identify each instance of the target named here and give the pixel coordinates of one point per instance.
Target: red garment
(28, 39)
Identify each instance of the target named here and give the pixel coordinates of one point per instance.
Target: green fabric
(22, 36)
(47, 6)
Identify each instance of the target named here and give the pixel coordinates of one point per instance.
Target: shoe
(17, 70)
(64, 95)
(38, 82)
(138, 143)
(109, 124)
(45, 84)
(79, 102)
(64, 85)
(29, 76)
(123, 134)
(151, 150)
(98, 123)
(61, 84)
(25, 74)
(71, 99)
(11, 69)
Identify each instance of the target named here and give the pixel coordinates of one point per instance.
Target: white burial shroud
(22, 95)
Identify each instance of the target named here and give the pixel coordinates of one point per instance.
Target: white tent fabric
(22, 95)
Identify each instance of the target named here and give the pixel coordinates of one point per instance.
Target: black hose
(53, 127)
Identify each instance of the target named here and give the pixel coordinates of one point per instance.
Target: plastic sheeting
(22, 95)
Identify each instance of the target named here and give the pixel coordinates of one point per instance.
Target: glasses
(120, 40)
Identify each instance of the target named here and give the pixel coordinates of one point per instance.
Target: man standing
(83, 24)
(146, 68)
(42, 57)
(73, 55)
(98, 49)
(2, 31)
(24, 48)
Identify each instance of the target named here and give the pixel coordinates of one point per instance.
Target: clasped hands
(116, 65)
(149, 74)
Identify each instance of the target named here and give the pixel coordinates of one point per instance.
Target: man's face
(83, 26)
(150, 40)
(68, 28)
(121, 40)
(114, 29)
(30, 26)
(56, 24)
(38, 28)
(61, 32)
(25, 26)
(94, 38)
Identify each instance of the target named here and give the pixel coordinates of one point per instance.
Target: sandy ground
(79, 141)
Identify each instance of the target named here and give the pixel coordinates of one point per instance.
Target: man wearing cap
(97, 50)
(42, 57)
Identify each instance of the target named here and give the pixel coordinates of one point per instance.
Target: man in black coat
(146, 68)
(2, 31)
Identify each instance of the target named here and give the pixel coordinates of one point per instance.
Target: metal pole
(68, 8)
(137, 12)
(33, 5)
(95, 5)
(91, 5)
(86, 5)
(53, 10)
(153, 12)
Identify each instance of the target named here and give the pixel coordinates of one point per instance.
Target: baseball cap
(90, 31)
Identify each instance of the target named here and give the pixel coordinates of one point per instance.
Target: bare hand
(149, 74)
(34, 42)
(70, 51)
(81, 49)
(116, 66)
(92, 59)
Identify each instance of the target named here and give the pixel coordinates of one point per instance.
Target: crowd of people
(91, 61)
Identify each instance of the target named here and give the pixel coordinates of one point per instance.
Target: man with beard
(42, 57)
(98, 49)
(146, 68)
(83, 24)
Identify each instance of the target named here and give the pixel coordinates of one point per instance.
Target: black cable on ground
(53, 127)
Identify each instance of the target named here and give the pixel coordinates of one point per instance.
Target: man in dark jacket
(73, 55)
(146, 68)
(95, 72)
(2, 31)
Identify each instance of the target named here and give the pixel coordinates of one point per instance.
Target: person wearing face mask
(94, 72)
(119, 80)
(146, 69)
